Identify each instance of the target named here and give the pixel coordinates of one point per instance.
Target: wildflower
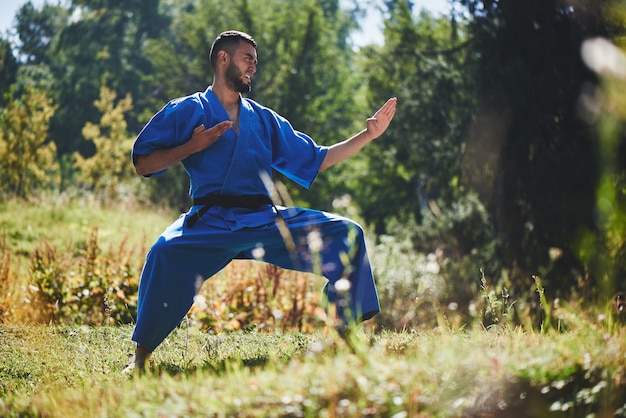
(342, 286)
(314, 239)
(258, 253)
(200, 302)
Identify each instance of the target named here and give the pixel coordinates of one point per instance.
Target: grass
(574, 368)
(69, 222)
(76, 371)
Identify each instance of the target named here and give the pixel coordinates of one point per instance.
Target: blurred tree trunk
(531, 76)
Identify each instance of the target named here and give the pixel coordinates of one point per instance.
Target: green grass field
(77, 371)
(574, 368)
(68, 223)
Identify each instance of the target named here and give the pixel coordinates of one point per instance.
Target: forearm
(164, 158)
(376, 126)
(344, 150)
(161, 159)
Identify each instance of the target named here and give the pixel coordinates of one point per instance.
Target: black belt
(248, 202)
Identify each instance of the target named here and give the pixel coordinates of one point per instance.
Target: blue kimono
(235, 165)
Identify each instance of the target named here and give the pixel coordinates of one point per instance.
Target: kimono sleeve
(295, 154)
(171, 126)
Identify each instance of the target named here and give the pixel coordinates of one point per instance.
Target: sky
(372, 22)
(9, 8)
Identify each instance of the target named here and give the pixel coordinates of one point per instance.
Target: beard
(233, 78)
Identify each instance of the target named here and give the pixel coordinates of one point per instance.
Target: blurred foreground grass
(77, 371)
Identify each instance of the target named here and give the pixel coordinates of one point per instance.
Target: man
(229, 146)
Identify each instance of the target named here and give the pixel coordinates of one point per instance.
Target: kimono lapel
(242, 144)
(215, 113)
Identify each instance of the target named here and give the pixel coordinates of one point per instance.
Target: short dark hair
(228, 41)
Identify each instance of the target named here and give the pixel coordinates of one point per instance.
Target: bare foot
(139, 361)
(142, 355)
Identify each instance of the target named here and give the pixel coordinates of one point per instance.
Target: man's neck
(228, 97)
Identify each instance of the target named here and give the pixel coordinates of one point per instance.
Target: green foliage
(101, 44)
(48, 272)
(8, 69)
(58, 269)
(110, 167)
(65, 221)
(27, 158)
(425, 63)
(170, 189)
(421, 267)
(36, 30)
(96, 288)
(75, 280)
(254, 295)
(38, 77)
(536, 159)
(410, 284)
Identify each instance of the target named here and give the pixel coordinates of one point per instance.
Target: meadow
(256, 344)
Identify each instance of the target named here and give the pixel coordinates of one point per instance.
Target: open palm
(379, 122)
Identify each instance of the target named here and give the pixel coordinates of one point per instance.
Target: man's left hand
(379, 122)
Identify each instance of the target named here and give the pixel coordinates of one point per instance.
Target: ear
(222, 56)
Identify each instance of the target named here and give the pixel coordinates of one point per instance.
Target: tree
(27, 158)
(8, 69)
(101, 44)
(37, 29)
(545, 170)
(425, 63)
(109, 168)
(129, 26)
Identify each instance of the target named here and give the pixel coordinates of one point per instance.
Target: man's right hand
(162, 159)
(203, 138)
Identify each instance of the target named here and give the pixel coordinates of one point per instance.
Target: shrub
(90, 288)
(433, 268)
(27, 159)
(252, 294)
(109, 169)
(48, 288)
(7, 283)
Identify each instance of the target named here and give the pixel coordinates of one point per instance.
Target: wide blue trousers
(183, 258)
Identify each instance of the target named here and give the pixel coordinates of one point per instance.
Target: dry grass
(76, 371)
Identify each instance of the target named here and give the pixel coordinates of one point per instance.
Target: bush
(435, 267)
(92, 287)
(89, 288)
(27, 158)
(252, 294)
(7, 283)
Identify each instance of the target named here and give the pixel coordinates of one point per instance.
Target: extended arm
(376, 126)
(161, 159)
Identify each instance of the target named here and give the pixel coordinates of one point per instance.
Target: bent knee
(160, 247)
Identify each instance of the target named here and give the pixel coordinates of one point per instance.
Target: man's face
(241, 68)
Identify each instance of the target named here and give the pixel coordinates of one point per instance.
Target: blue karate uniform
(235, 165)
